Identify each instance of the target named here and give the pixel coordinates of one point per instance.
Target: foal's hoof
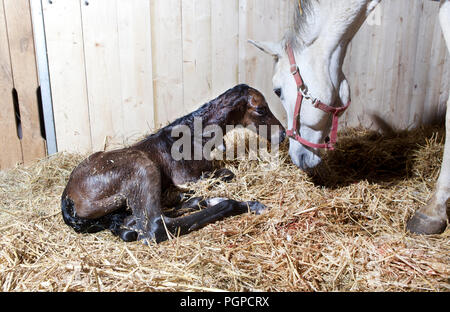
(128, 235)
(225, 175)
(256, 207)
(423, 224)
(158, 236)
(146, 240)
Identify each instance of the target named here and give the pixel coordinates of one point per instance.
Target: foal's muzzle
(282, 135)
(278, 136)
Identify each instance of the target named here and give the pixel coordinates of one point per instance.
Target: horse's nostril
(277, 92)
(302, 160)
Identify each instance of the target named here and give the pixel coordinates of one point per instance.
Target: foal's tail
(112, 222)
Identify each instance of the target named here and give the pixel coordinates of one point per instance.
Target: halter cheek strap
(294, 133)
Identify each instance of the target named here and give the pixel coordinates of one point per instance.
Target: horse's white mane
(295, 33)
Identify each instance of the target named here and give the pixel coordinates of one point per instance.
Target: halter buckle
(315, 102)
(294, 69)
(303, 89)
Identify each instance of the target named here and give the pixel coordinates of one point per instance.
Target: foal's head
(250, 109)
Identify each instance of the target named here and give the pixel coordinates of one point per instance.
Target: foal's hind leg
(432, 219)
(144, 200)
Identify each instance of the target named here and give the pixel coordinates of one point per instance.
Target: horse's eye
(277, 91)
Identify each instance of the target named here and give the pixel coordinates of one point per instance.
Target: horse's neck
(337, 21)
(333, 25)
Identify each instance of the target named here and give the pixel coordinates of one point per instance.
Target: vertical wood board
(65, 48)
(136, 69)
(103, 72)
(11, 150)
(24, 73)
(167, 53)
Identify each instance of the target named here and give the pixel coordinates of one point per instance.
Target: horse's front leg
(432, 218)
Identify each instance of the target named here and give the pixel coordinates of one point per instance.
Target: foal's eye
(260, 111)
(277, 91)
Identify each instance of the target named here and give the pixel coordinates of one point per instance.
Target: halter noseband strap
(301, 93)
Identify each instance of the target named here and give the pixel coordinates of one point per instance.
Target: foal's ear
(272, 48)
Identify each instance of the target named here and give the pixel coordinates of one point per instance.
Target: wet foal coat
(121, 190)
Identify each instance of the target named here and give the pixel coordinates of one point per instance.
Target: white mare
(319, 39)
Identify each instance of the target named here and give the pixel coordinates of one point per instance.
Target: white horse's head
(319, 38)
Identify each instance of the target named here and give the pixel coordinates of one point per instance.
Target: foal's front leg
(216, 209)
(149, 223)
(161, 227)
(223, 174)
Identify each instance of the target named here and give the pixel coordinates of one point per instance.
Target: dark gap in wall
(41, 113)
(15, 97)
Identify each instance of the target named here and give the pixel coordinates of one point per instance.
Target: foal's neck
(222, 111)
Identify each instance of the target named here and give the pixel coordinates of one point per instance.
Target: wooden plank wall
(121, 68)
(18, 72)
(100, 63)
(398, 66)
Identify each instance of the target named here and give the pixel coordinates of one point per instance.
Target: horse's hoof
(256, 207)
(423, 224)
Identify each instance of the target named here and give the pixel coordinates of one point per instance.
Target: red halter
(336, 111)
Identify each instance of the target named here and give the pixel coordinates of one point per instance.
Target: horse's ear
(272, 48)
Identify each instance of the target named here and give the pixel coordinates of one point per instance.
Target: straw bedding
(340, 229)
